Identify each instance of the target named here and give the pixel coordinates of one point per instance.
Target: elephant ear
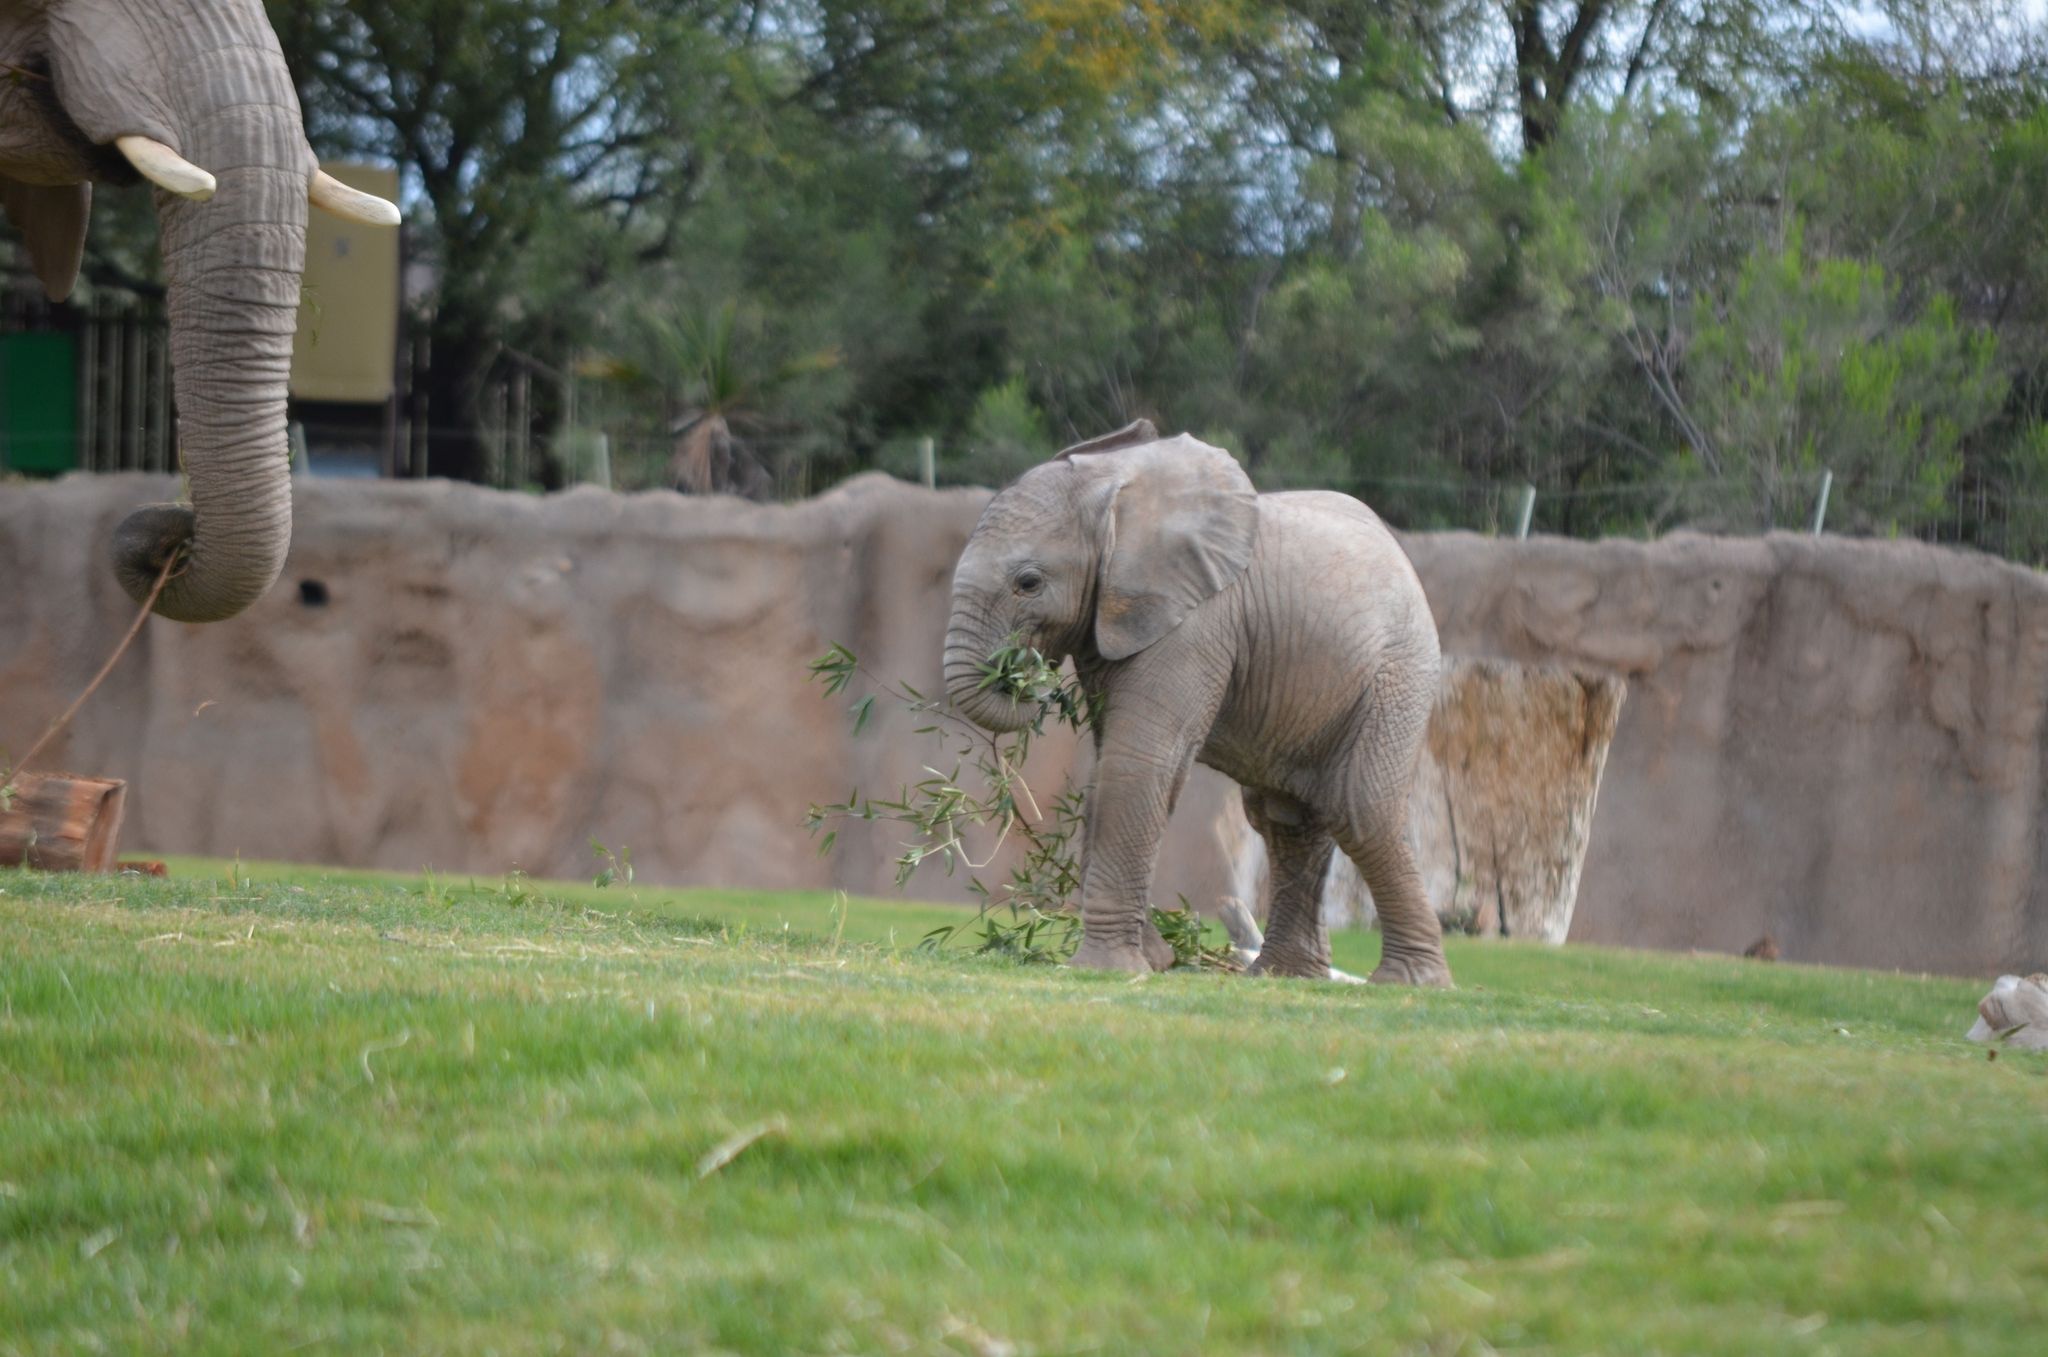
(1177, 530)
(1136, 432)
(51, 219)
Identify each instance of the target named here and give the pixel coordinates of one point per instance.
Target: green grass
(320, 1111)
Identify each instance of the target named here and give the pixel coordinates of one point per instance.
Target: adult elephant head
(195, 98)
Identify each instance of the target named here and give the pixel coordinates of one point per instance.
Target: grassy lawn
(315, 1111)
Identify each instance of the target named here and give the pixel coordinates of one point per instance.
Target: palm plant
(721, 399)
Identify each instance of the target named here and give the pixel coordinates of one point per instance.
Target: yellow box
(346, 348)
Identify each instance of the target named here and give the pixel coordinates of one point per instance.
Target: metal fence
(1977, 511)
(122, 419)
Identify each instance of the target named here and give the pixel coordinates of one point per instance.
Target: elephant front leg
(1139, 773)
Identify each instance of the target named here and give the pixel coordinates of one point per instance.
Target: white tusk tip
(165, 168)
(352, 204)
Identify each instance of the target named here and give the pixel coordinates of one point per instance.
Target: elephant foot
(1158, 951)
(1300, 965)
(1099, 956)
(1413, 970)
(1150, 953)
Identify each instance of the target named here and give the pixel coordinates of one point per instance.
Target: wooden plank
(61, 822)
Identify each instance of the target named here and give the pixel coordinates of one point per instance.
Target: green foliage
(947, 808)
(1193, 943)
(2026, 471)
(1808, 365)
(1029, 916)
(1664, 261)
(618, 866)
(1006, 434)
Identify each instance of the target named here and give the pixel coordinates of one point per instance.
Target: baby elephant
(1281, 639)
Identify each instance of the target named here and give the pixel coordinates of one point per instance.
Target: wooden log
(61, 822)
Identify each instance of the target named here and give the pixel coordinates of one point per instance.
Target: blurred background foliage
(1665, 260)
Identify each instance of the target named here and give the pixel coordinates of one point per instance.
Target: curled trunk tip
(992, 707)
(198, 590)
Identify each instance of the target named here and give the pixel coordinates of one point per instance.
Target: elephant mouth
(1012, 671)
(1004, 683)
(982, 693)
(1013, 686)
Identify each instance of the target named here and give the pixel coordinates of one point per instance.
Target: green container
(38, 403)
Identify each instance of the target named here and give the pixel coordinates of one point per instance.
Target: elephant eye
(1030, 582)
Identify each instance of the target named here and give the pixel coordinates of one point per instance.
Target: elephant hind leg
(1299, 851)
(1372, 829)
(1411, 938)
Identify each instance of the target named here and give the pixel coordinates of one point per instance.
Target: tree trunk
(452, 389)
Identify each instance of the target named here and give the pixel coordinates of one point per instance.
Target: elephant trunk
(990, 706)
(234, 265)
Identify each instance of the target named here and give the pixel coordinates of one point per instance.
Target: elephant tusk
(351, 203)
(165, 168)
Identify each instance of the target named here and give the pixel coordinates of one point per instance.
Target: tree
(1809, 364)
(1661, 258)
(548, 143)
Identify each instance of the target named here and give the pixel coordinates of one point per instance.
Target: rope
(163, 577)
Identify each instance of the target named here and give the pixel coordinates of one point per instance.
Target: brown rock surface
(1517, 751)
(1836, 742)
(469, 680)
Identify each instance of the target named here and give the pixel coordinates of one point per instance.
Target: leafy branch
(976, 786)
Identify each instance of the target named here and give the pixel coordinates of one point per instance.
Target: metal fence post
(1820, 505)
(1528, 511)
(927, 463)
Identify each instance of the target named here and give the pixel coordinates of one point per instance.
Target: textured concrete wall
(1836, 742)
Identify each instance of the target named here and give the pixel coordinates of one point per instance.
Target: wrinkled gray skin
(207, 79)
(1281, 639)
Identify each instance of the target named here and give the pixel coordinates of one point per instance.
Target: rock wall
(470, 680)
(1835, 742)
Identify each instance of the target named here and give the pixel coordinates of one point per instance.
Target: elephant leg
(1373, 831)
(1145, 751)
(1411, 938)
(1299, 851)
